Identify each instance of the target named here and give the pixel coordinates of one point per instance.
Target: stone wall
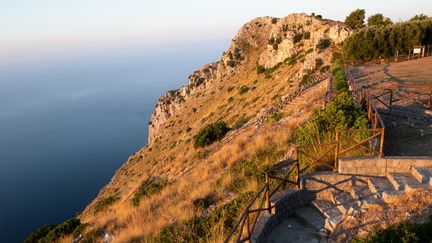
(285, 204)
(381, 167)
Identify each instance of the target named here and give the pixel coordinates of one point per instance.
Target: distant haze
(45, 27)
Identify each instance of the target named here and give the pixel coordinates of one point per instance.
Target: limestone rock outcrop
(277, 39)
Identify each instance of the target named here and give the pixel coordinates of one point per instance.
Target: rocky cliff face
(280, 38)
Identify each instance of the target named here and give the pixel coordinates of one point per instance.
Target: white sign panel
(417, 50)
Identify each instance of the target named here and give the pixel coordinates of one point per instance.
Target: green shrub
(355, 19)
(211, 133)
(148, 188)
(342, 114)
(201, 227)
(401, 232)
(240, 122)
(297, 37)
(277, 116)
(39, 234)
(383, 41)
(323, 43)
(205, 202)
(305, 79)
(243, 89)
(318, 63)
(340, 80)
(52, 233)
(104, 203)
(260, 69)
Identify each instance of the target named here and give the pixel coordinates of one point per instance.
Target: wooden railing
(244, 227)
(311, 160)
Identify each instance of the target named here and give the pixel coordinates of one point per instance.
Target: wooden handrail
(246, 224)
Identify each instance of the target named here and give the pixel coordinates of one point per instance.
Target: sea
(68, 122)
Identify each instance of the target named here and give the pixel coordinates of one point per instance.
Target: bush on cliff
(52, 233)
(211, 133)
(401, 232)
(148, 188)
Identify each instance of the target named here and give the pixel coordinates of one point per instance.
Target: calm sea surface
(67, 123)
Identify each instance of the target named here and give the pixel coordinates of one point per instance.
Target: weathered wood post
(369, 111)
(247, 227)
(298, 174)
(375, 121)
(381, 149)
(267, 193)
(336, 149)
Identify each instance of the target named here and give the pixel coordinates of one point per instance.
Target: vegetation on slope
(400, 232)
(53, 233)
(211, 133)
(318, 134)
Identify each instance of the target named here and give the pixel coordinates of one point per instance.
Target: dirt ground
(408, 123)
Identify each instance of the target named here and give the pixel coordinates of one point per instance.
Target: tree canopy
(356, 19)
(383, 41)
(378, 20)
(420, 17)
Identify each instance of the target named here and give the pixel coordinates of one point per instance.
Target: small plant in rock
(243, 89)
(240, 122)
(297, 37)
(260, 69)
(277, 116)
(323, 43)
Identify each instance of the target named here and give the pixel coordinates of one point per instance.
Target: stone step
(404, 181)
(363, 195)
(422, 174)
(291, 230)
(261, 222)
(378, 185)
(333, 215)
(344, 201)
(310, 217)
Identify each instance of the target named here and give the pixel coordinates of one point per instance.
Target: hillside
(263, 88)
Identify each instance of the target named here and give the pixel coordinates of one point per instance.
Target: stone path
(334, 202)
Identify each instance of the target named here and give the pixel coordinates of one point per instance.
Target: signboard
(417, 50)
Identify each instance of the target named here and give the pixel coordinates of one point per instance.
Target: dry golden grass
(174, 202)
(193, 175)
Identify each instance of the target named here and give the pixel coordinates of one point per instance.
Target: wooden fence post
(369, 111)
(267, 193)
(381, 143)
(298, 174)
(336, 150)
(247, 227)
(375, 121)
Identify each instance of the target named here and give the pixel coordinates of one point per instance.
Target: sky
(42, 26)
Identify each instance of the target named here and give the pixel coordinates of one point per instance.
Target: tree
(378, 20)
(419, 17)
(356, 19)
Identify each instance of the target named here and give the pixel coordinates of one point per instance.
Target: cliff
(281, 36)
(264, 85)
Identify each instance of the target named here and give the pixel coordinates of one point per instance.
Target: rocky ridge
(280, 37)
